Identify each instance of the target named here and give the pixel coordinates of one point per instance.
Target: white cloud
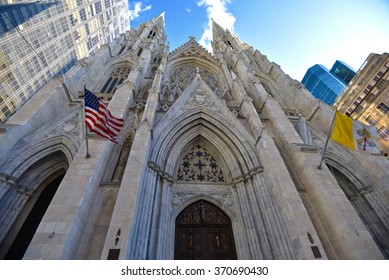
(216, 10)
(135, 13)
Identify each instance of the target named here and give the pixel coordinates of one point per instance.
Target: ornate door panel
(203, 232)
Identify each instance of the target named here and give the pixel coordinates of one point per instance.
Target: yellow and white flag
(353, 134)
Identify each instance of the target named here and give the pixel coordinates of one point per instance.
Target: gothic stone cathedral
(218, 159)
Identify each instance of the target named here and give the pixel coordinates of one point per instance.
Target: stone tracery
(117, 77)
(199, 165)
(182, 77)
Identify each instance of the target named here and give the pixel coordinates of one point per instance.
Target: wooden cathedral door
(203, 232)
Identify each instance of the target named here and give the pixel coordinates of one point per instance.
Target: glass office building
(322, 84)
(342, 71)
(43, 39)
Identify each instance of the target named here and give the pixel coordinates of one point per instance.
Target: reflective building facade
(322, 84)
(43, 39)
(342, 71)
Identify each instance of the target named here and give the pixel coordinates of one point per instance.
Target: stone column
(129, 192)
(253, 242)
(277, 185)
(257, 208)
(164, 247)
(140, 230)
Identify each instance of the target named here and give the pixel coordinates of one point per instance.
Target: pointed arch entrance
(34, 217)
(27, 200)
(365, 203)
(203, 232)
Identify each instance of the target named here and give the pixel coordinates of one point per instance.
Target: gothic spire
(217, 31)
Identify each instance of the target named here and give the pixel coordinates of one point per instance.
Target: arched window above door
(199, 165)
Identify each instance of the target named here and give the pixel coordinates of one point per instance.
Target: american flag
(99, 119)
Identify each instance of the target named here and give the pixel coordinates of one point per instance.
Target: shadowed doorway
(204, 232)
(27, 231)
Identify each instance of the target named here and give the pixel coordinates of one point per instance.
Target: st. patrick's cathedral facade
(218, 159)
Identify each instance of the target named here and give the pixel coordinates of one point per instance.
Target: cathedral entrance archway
(203, 232)
(364, 204)
(32, 221)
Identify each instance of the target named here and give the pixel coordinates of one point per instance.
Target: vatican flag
(353, 134)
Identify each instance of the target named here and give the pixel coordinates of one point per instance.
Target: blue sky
(295, 34)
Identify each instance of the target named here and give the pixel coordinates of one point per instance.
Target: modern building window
(83, 14)
(383, 108)
(384, 133)
(370, 120)
(98, 7)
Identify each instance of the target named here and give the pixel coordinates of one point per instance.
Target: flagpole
(328, 138)
(86, 128)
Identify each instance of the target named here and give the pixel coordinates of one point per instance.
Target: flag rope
(86, 127)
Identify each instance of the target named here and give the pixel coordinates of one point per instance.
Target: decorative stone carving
(202, 212)
(178, 198)
(139, 104)
(85, 62)
(317, 141)
(236, 111)
(199, 99)
(194, 52)
(164, 107)
(183, 76)
(68, 127)
(199, 165)
(225, 198)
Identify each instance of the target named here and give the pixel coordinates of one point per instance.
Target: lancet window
(199, 165)
(117, 77)
(151, 34)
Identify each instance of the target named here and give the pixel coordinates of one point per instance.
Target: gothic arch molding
(354, 172)
(219, 203)
(177, 60)
(26, 155)
(213, 158)
(25, 192)
(366, 201)
(237, 151)
(110, 68)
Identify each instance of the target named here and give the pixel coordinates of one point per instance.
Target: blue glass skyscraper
(342, 71)
(12, 15)
(322, 84)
